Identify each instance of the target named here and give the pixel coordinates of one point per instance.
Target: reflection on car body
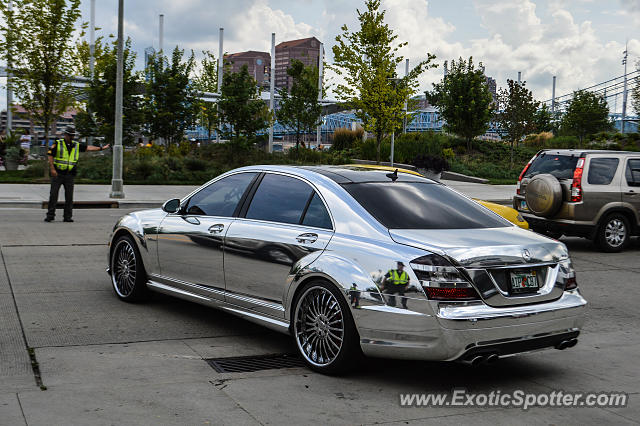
(348, 260)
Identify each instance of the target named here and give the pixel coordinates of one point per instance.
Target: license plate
(523, 205)
(524, 283)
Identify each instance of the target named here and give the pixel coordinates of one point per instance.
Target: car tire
(323, 329)
(613, 233)
(128, 276)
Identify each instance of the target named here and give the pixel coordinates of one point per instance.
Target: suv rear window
(560, 166)
(417, 205)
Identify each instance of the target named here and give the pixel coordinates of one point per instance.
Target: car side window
(602, 170)
(632, 173)
(221, 197)
(279, 199)
(317, 214)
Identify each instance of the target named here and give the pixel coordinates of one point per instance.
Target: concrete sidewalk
(142, 196)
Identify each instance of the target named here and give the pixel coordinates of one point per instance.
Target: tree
(586, 114)
(635, 91)
(81, 55)
(544, 120)
(170, 100)
(516, 112)
(38, 44)
(240, 104)
(464, 100)
(206, 80)
(299, 108)
(101, 97)
(367, 59)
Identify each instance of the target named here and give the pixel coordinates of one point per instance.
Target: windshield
(560, 166)
(418, 205)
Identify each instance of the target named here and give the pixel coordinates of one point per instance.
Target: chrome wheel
(124, 268)
(319, 326)
(615, 232)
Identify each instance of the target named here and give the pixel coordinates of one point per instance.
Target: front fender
(142, 227)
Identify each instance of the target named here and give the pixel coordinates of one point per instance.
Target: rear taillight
(440, 280)
(571, 283)
(523, 172)
(568, 275)
(576, 185)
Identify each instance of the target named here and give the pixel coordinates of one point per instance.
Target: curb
(109, 204)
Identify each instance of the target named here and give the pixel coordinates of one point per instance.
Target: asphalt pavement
(103, 361)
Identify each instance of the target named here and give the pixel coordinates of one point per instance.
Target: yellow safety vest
(399, 279)
(65, 160)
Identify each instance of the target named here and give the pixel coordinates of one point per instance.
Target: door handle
(308, 238)
(216, 229)
(632, 192)
(192, 220)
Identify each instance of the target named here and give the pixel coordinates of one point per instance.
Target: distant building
(306, 50)
(258, 64)
(21, 121)
(491, 83)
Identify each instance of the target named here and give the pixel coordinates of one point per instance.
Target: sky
(579, 41)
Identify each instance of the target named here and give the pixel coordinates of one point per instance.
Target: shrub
(194, 164)
(431, 162)
(346, 139)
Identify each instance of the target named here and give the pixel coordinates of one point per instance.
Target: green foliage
(346, 138)
(170, 100)
(516, 114)
(206, 80)
(240, 104)
(367, 60)
(464, 100)
(586, 114)
(544, 121)
(635, 91)
(37, 43)
(299, 108)
(101, 102)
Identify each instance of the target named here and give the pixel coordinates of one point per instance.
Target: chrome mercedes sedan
(353, 261)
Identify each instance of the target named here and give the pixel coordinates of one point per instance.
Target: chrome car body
(255, 269)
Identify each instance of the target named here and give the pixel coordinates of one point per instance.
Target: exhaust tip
(572, 343)
(476, 360)
(563, 345)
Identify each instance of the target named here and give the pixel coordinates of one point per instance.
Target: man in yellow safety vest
(396, 281)
(63, 158)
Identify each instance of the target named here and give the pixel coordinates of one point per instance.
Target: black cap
(70, 130)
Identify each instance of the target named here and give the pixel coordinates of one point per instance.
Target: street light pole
(272, 87)
(117, 189)
(624, 90)
(9, 89)
(92, 50)
(220, 76)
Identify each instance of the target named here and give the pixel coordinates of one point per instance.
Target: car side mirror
(171, 206)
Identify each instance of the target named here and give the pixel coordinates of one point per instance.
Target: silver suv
(587, 193)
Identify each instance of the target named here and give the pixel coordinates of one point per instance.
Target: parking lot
(103, 361)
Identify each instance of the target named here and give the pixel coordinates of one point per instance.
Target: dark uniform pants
(396, 289)
(56, 182)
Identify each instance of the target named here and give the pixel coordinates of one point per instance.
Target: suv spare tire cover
(544, 195)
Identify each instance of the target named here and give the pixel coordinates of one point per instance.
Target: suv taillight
(576, 185)
(440, 280)
(523, 172)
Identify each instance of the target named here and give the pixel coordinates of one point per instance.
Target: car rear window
(560, 166)
(417, 205)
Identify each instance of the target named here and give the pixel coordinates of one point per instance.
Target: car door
(190, 241)
(631, 184)
(285, 221)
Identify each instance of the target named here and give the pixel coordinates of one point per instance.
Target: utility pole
(624, 90)
(117, 189)
(220, 75)
(404, 117)
(320, 72)
(9, 89)
(519, 77)
(160, 33)
(92, 51)
(272, 88)
(553, 96)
